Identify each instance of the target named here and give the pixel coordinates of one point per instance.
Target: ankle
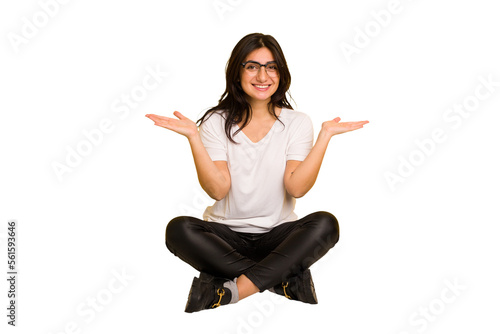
(246, 287)
(233, 287)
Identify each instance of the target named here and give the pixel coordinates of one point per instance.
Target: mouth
(262, 88)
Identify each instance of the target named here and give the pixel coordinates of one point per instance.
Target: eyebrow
(255, 61)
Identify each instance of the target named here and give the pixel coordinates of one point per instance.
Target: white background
(399, 248)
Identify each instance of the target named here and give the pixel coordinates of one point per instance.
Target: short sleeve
(214, 137)
(301, 140)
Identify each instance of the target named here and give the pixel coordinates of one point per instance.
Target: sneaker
(299, 287)
(207, 292)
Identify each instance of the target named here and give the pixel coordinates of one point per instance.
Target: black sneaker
(299, 287)
(207, 292)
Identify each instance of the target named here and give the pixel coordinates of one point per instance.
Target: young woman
(253, 155)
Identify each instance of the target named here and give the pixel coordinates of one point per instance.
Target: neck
(260, 110)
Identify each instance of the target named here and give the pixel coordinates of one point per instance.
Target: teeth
(261, 86)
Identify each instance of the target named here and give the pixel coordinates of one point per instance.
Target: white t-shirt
(257, 200)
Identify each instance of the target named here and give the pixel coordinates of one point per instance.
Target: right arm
(213, 176)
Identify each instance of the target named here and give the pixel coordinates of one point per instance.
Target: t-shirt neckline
(267, 134)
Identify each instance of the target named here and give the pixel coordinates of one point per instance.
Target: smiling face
(259, 87)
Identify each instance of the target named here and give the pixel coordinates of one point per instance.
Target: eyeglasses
(253, 67)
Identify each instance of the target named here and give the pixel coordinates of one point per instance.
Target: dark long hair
(233, 101)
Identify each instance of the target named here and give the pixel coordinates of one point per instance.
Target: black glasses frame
(260, 65)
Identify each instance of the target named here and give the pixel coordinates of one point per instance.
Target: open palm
(335, 127)
(182, 125)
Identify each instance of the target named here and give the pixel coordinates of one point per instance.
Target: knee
(176, 231)
(328, 226)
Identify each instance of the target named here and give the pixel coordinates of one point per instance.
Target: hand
(334, 127)
(183, 125)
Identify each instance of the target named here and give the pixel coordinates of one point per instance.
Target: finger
(166, 125)
(152, 117)
(355, 127)
(163, 122)
(179, 115)
(159, 118)
(355, 123)
(163, 117)
(345, 130)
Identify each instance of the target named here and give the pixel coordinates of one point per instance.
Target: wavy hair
(233, 101)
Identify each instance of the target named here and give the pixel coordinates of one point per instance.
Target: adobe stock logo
(223, 6)
(264, 309)
(381, 19)
(88, 311)
(426, 315)
(30, 28)
(426, 147)
(94, 137)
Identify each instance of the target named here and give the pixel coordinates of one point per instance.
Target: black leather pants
(265, 258)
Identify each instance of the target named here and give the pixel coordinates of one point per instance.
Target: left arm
(300, 176)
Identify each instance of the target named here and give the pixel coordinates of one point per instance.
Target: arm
(213, 176)
(300, 176)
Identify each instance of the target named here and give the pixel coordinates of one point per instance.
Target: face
(259, 86)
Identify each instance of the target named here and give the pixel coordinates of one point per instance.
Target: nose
(262, 74)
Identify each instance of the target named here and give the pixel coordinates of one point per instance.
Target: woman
(254, 155)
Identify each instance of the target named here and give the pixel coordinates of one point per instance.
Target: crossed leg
(260, 262)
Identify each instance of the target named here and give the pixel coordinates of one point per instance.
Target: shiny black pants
(265, 258)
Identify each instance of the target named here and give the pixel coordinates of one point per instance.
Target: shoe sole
(309, 290)
(193, 293)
